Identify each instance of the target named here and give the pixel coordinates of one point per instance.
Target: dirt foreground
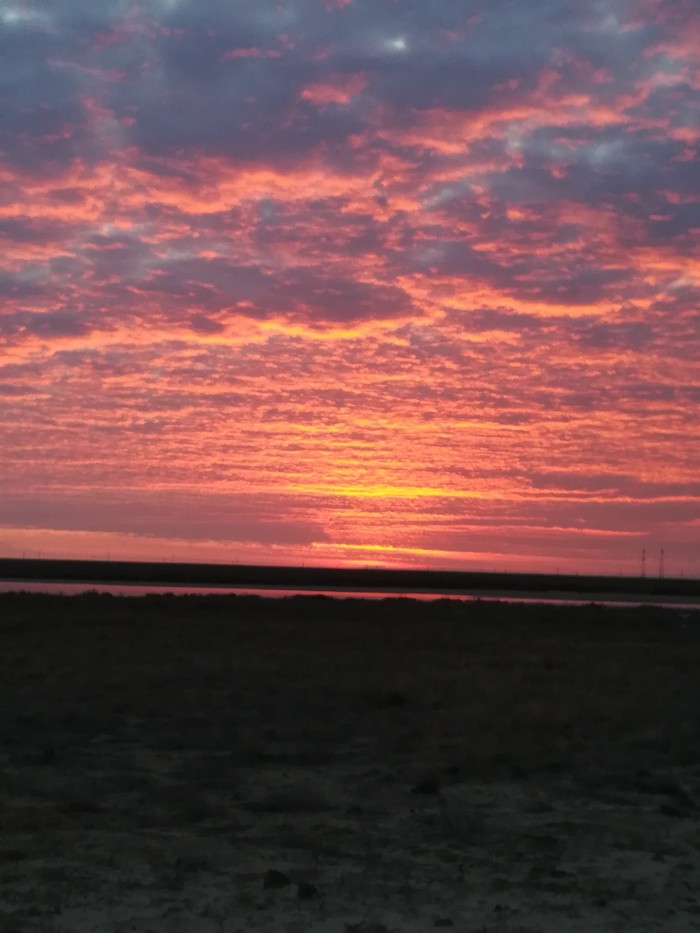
(219, 764)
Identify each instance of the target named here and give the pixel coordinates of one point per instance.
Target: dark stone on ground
(306, 891)
(428, 786)
(276, 879)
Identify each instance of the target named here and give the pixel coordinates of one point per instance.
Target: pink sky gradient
(387, 283)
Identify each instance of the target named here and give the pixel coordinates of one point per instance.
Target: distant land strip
(247, 576)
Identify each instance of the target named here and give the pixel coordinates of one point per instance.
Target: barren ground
(232, 763)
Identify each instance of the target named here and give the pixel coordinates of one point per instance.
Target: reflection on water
(127, 589)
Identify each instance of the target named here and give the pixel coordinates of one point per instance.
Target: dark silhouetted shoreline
(387, 580)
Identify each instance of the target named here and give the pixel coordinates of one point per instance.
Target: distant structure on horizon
(662, 565)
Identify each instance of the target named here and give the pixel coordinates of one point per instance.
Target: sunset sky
(366, 282)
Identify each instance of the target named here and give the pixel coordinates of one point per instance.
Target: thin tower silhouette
(644, 562)
(662, 571)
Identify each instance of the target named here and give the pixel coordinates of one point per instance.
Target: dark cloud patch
(45, 79)
(628, 170)
(33, 230)
(614, 483)
(676, 222)
(639, 517)
(339, 301)
(25, 285)
(676, 104)
(16, 390)
(55, 324)
(211, 285)
(483, 320)
(226, 518)
(633, 336)
(671, 393)
(48, 324)
(229, 79)
(582, 286)
(201, 324)
(304, 294)
(570, 279)
(126, 259)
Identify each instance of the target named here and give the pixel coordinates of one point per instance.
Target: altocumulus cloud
(402, 275)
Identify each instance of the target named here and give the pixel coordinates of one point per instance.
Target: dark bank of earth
(345, 578)
(167, 761)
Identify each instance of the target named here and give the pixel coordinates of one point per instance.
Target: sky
(351, 282)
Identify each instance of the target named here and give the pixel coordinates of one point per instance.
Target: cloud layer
(354, 280)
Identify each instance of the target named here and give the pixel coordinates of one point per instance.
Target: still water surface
(125, 589)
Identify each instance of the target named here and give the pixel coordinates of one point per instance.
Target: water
(128, 589)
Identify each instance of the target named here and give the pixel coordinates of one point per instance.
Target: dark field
(234, 763)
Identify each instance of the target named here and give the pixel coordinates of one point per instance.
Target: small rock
(427, 786)
(452, 770)
(306, 891)
(391, 699)
(276, 879)
(668, 809)
(444, 922)
(366, 926)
